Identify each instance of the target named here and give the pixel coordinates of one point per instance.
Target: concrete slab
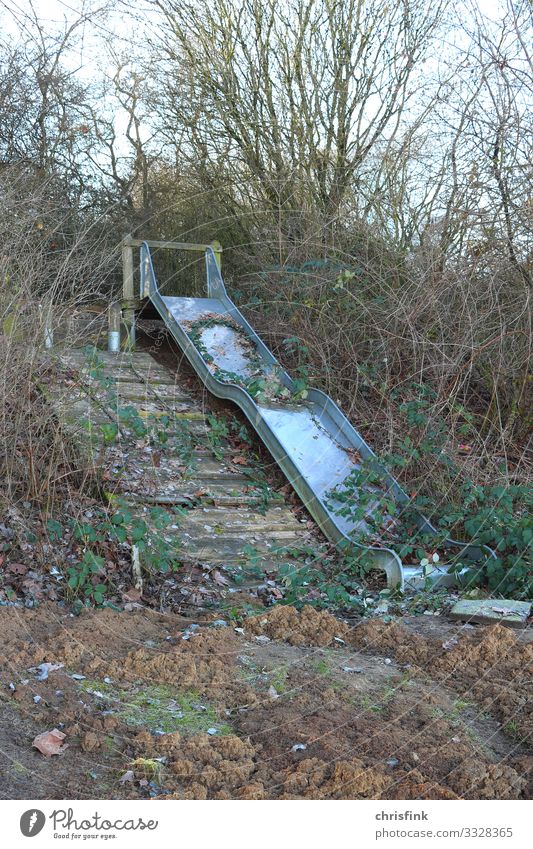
(490, 611)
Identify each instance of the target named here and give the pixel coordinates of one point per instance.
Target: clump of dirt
(316, 779)
(491, 664)
(474, 780)
(308, 627)
(415, 785)
(392, 638)
(209, 767)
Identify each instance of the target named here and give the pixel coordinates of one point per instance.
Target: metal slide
(313, 443)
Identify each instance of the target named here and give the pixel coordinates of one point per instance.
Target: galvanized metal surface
(313, 443)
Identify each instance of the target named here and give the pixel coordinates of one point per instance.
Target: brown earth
(297, 706)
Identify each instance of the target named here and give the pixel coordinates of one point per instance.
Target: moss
(321, 667)
(279, 679)
(158, 707)
(109, 744)
(147, 768)
(19, 769)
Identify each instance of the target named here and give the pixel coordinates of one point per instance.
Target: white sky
(89, 54)
(126, 30)
(56, 12)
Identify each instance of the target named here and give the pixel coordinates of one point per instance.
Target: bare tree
(289, 100)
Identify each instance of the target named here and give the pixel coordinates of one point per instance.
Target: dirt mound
(309, 627)
(206, 767)
(153, 706)
(393, 639)
(491, 665)
(100, 645)
(205, 664)
(315, 779)
(474, 780)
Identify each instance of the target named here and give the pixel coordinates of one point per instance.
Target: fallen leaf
(132, 594)
(219, 578)
(50, 742)
(354, 455)
(17, 568)
(239, 460)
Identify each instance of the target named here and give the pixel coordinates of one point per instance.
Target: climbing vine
(260, 384)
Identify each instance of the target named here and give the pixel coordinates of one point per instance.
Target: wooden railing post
(128, 293)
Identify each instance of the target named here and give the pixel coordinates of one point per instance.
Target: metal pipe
(45, 310)
(48, 336)
(113, 335)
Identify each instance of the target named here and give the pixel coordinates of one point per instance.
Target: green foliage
(500, 517)
(54, 530)
(130, 418)
(263, 497)
(495, 516)
(217, 433)
(310, 585)
(310, 579)
(85, 578)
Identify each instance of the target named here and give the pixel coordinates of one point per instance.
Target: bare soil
(296, 706)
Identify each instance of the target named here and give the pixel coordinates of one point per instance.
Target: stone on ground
(489, 611)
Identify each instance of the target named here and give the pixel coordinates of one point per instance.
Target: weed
(217, 434)
(321, 667)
